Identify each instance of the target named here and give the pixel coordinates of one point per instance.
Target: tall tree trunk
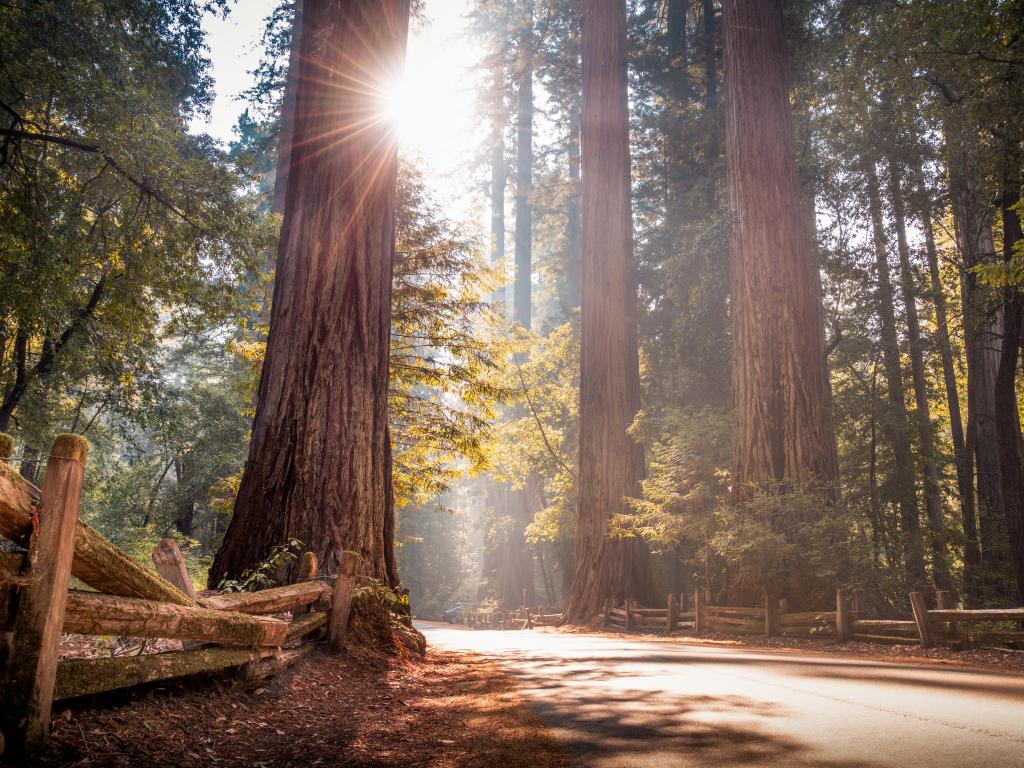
(961, 455)
(675, 30)
(284, 139)
(318, 467)
(710, 64)
(784, 431)
(897, 423)
(983, 329)
(610, 462)
(932, 491)
(1008, 429)
(524, 170)
(499, 171)
(573, 245)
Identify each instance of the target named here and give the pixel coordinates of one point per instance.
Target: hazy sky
(435, 102)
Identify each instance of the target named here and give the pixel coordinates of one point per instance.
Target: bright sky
(435, 102)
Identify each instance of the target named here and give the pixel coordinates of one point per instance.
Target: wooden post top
(6, 447)
(349, 561)
(70, 446)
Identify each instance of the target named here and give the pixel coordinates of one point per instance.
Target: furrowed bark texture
(318, 467)
(784, 431)
(610, 462)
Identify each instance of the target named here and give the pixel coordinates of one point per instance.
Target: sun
(396, 107)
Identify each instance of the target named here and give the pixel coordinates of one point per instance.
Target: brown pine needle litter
(360, 709)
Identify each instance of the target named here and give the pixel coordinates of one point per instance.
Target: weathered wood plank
(883, 624)
(341, 601)
(85, 677)
(734, 621)
(171, 566)
(888, 639)
(32, 667)
(843, 615)
(304, 625)
(274, 600)
(991, 614)
(719, 610)
(808, 616)
(97, 562)
(90, 613)
(921, 616)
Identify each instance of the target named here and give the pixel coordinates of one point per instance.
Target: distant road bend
(646, 703)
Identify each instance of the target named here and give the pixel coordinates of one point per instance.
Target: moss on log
(89, 613)
(83, 677)
(264, 668)
(275, 600)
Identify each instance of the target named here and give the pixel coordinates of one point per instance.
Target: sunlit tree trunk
(932, 492)
(319, 463)
(784, 431)
(524, 169)
(610, 462)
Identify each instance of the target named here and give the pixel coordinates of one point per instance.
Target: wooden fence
(37, 606)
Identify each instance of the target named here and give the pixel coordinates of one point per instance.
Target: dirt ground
(358, 709)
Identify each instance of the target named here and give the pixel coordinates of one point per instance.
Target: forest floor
(357, 709)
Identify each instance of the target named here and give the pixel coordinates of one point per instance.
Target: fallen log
(85, 677)
(90, 613)
(274, 600)
(97, 562)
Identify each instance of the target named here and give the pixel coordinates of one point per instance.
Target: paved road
(629, 702)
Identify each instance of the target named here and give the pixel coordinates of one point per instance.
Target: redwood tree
(319, 463)
(784, 432)
(610, 462)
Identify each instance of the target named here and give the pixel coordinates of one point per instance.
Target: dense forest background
(137, 259)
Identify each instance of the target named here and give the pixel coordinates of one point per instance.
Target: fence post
(629, 615)
(842, 615)
(32, 666)
(670, 615)
(171, 565)
(341, 601)
(858, 602)
(606, 617)
(771, 615)
(698, 611)
(920, 608)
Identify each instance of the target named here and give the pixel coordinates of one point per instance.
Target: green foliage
(265, 575)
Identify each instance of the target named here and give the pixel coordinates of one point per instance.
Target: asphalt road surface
(621, 701)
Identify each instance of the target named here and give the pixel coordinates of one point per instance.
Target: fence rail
(36, 606)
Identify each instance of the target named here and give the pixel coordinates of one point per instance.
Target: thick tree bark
(932, 491)
(610, 462)
(318, 467)
(284, 139)
(570, 283)
(784, 430)
(897, 423)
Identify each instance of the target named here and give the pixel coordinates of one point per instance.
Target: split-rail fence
(257, 633)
